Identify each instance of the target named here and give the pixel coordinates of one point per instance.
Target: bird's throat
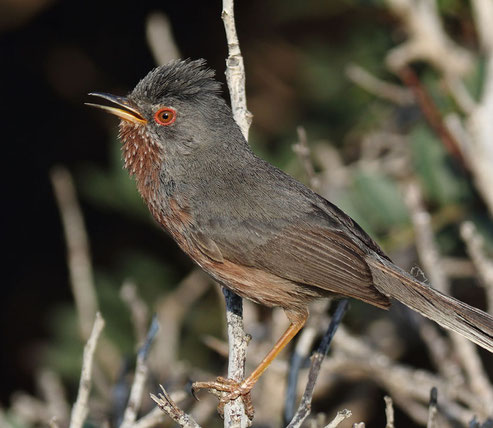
(142, 158)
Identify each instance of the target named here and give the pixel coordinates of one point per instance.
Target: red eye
(165, 116)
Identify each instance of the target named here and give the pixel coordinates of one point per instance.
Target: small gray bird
(253, 228)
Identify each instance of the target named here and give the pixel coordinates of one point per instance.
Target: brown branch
(432, 113)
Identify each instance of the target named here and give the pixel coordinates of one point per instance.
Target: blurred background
(328, 66)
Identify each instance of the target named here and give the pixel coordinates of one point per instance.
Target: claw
(227, 390)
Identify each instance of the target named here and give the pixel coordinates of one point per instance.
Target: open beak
(126, 110)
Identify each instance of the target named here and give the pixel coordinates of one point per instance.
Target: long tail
(450, 313)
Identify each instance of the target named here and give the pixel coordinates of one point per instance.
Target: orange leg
(235, 389)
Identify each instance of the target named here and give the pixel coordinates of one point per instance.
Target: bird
(253, 228)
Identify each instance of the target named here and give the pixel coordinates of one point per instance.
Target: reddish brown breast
(142, 158)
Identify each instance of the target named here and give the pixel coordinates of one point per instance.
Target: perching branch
(234, 412)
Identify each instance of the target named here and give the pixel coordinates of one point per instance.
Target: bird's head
(174, 113)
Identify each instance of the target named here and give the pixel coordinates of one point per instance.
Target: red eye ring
(165, 116)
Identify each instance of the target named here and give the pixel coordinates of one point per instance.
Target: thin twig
(474, 243)
(141, 372)
(301, 352)
(317, 358)
(151, 419)
(432, 412)
(235, 70)
(385, 90)
(80, 409)
(54, 394)
(302, 150)
(78, 254)
(431, 113)
(138, 309)
(160, 38)
(168, 406)
(171, 311)
(430, 258)
(408, 387)
(389, 412)
(341, 415)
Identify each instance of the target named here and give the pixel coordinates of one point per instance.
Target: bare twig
(341, 415)
(160, 38)
(153, 418)
(381, 89)
(171, 311)
(141, 372)
(410, 388)
(302, 150)
(432, 412)
(234, 412)
(474, 243)
(168, 406)
(53, 392)
(389, 412)
(300, 354)
(80, 409)
(427, 41)
(430, 258)
(235, 70)
(138, 310)
(317, 358)
(431, 113)
(54, 422)
(78, 254)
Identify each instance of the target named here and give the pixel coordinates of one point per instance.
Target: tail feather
(450, 313)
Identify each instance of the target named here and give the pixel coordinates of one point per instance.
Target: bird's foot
(227, 390)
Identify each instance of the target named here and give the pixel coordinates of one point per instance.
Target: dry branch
(160, 38)
(484, 265)
(78, 253)
(234, 412)
(389, 412)
(81, 409)
(140, 378)
(317, 358)
(432, 412)
(169, 407)
(138, 310)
